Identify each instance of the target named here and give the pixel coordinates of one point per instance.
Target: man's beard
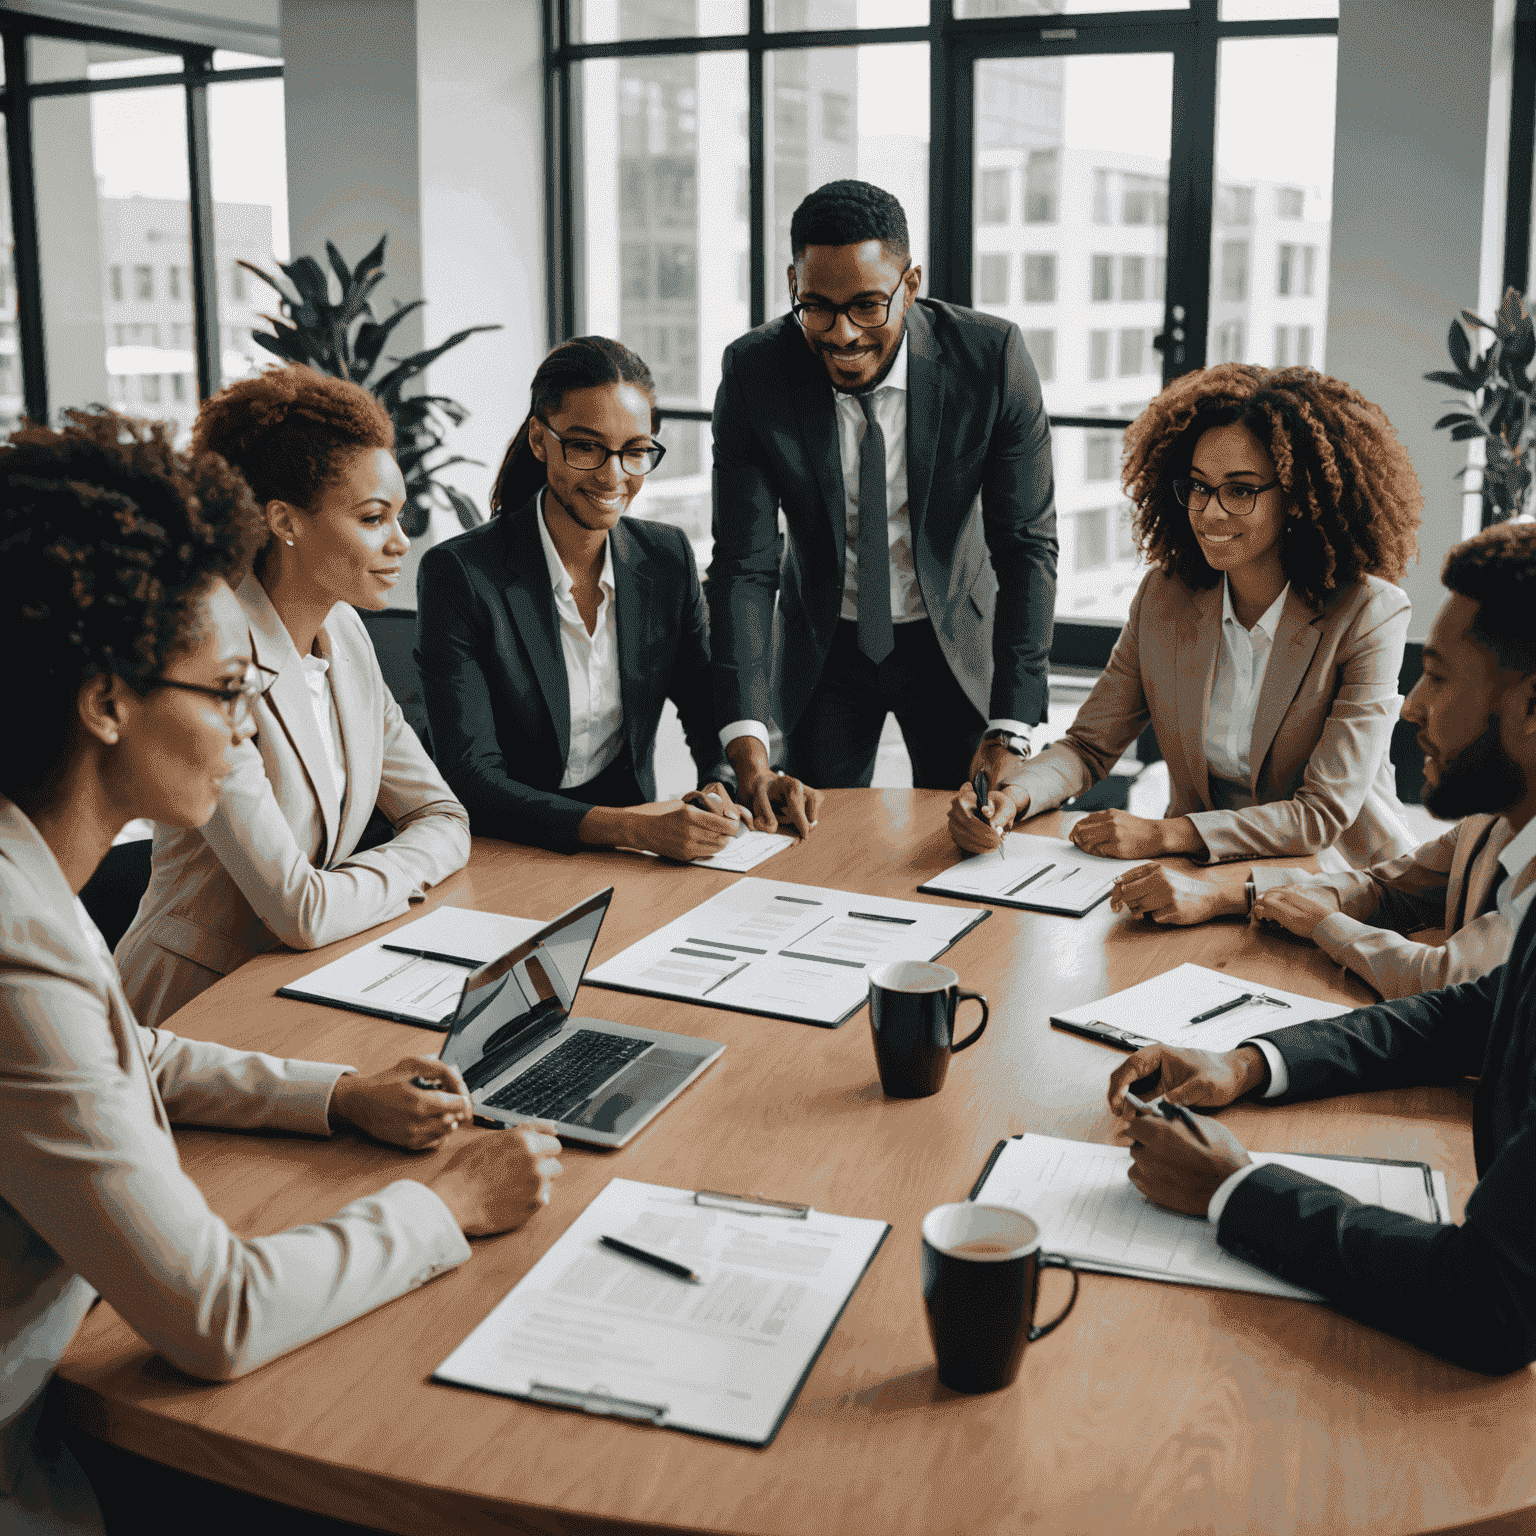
(1482, 777)
(879, 378)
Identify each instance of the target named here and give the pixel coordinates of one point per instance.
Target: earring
(289, 543)
(112, 739)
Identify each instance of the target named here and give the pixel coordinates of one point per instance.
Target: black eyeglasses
(237, 700)
(866, 313)
(583, 453)
(1233, 497)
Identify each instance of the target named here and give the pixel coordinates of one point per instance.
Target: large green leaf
(1452, 380)
(285, 294)
(1467, 429)
(370, 339)
(356, 301)
(286, 344)
(468, 513)
(407, 368)
(372, 262)
(1460, 347)
(308, 276)
(340, 268)
(1451, 419)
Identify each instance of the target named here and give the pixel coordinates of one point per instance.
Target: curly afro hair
(1339, 462)
(287, 430)
(849, 213)
(1496, 569)
(108, 537)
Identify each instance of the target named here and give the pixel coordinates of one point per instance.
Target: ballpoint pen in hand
(1168, 1111)
(981, 787)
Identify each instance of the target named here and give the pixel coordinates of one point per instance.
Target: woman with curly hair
(134, 680)
(279, 863)
(1279, 511)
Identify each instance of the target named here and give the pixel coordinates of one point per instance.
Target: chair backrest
(393, 632)
(112, 894)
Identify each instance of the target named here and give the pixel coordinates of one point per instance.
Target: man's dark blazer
(1467, 1293)
(493, 675)
(976, 427)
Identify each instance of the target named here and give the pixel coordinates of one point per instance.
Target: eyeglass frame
(658, 449)
(227, 696)
(797, 309)
(1216, 490)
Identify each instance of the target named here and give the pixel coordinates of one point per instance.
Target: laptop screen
(530, 987)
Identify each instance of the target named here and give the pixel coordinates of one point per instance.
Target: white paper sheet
(1088, 1209)
(409, 988)
(1043, 874)
(723, 1358)
(1164, 1009)
(747, 850)
(769, 946)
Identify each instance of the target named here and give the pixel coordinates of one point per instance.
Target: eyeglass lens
(633, 461)
(867, 314)
(1236, 499)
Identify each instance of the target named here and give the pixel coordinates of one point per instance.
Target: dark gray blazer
(981, 497)
(493, 678)
(1467, 1293)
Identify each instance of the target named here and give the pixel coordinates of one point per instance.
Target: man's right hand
(679, 831)
(1004, 806)
(1208, 1079)
(765, 792)
(494, 1183)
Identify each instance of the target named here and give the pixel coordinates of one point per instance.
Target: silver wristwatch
(1018, 745)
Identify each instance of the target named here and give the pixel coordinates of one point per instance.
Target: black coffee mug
(981, 1271)
(912, 1007)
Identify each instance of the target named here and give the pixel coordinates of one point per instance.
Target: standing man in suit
(905, 442)
(1467, 1293)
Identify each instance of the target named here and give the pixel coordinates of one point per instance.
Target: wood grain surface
(1155, 1408)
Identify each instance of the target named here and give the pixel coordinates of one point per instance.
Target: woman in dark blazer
(549, 639)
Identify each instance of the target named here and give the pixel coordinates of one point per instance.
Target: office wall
(1419, 159)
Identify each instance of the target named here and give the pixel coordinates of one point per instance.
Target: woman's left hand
(1119, 835)
(388, 1105)
(1174, 897)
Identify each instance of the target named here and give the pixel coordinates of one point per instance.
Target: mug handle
(986, 1013)
(1055, 1261)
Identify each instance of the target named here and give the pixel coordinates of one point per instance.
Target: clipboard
(725, 1360)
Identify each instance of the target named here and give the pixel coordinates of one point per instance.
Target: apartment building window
(1229, 342)
(1102, 199)
(115, 282)
(173, 282)
(1133, 277)
(1101, 279)
(676, 272)
(1125, 536)
(1100, 452)
(1090, 545)
(143, 282)
(1041, 346)
(1290, 202)
(179, 388)
(1040, 187)
(1303, 346)
(1039, 279)
(1234, 206)
(836, 117)
(149, 388)
(1144, 200)
(1234, 271)
(1159, 277)
(1133, 352)
(1282, 346)
(237, 288)
(1098, 354)
(992, 279)
(994, 196)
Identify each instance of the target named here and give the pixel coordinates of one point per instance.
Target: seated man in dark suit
(1468, 1292)
(906, 444)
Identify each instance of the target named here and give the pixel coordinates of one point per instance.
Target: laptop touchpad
(634, 1093)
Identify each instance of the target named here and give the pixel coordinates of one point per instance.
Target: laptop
(524, 1057)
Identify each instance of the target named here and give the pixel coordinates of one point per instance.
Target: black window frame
(16, 98)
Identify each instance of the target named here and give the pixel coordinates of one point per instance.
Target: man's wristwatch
(1010, 740)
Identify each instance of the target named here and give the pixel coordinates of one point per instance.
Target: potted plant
(346, 339)
(1501, 403)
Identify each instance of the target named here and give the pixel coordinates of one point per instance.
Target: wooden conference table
(1154, 1408)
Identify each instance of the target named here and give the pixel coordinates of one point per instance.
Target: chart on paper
(1038, 874)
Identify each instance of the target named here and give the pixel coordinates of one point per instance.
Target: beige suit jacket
(277, 863)
(1321, 731)
(93, 1199)
(1445, 883)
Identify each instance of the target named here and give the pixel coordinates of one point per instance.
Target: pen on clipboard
(981, 787)
(1239, 1001)
(433, 954)
(1097, 1029)
(655, 1260)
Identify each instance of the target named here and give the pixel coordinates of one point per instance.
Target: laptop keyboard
(555, 1084)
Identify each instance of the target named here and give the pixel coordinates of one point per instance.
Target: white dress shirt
(591, 667)
(317, 672)
(1240, 666)
(1516, 854)
(906, 597)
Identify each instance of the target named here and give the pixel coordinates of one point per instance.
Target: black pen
(668, 1266)
(432, 954)
(981, 787)
(1167, 1111)
(1220, 1008)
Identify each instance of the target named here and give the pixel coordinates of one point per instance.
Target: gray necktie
(876, 639)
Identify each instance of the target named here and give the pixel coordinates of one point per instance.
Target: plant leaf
(371, 337)
(339, 267)
(1460, 346)
(408, 367)
(373, 261)
(287, 344)
(285, 294)
(1512, 310)
(1452, 380)
(1452, 419)
(468, 513)
(308, 277)
(1465, 430)
(1470, 319)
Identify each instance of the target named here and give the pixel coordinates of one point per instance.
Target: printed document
(1087, 1209)
(414, 989)
(790, 951)
(747, 850)
(1039, 874)
(591, 1328)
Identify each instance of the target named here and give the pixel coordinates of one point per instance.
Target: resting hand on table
(1120, 835)
(1208, 1079)
(1296, 908)
(772, 798)
(1178, 897)
(1176, 1168)
(1004, 806)
(495, 1182)
(389, 1107)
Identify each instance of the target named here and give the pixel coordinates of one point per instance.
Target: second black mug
(912, 1007)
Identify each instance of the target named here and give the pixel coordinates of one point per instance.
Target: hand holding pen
(1179, 1162)
(417, 1103)
(980, 815)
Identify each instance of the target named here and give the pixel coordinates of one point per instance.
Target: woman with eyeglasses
(549, 640)
(131, 665)
(1279, 510)
(280, 862)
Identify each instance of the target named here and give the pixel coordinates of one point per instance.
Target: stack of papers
(1037, 874)
(1089, 1211)
(747, 850)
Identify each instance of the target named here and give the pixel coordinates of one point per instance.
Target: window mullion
(24, 236)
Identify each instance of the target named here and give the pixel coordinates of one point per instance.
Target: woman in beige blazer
(1278, 510)
(279, 862)
(137, 700)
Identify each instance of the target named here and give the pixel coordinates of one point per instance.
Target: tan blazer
(1320, 774)
(93, 1199)
(1445, 883)
(276, 864)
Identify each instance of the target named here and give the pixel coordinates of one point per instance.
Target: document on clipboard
(724, 1354)
(1035, 874)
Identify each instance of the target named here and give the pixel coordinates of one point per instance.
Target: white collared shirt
(1240, 666)
(591, 667)
(323, 701)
